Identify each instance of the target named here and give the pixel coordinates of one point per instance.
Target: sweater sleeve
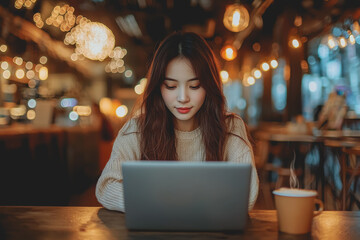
(109, 188)
(239, 149)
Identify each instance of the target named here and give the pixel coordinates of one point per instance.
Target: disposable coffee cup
(296, 209)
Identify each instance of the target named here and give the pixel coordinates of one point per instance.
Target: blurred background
(71, 72)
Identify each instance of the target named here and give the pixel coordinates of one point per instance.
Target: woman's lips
(183, 110)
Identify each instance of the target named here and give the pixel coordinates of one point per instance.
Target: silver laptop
(186, 196)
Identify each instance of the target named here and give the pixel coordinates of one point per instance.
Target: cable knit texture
(190, 147)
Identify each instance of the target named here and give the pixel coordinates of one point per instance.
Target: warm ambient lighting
(228, 52)
(128, 73)
(43, 73)
(83, 111)
(3, 48)
(257, 73)
(121, 111)
(6, 74)
(352, 39)
(224, 76)
(342, 42)
(18, 4)
(93, 40)
(139, 88)
(265, 66)
(30, 74)
(31, 114)
(116, 64)
(43, 60)
(4, 65)
(29, 65)
(250, 80)
(331, 42)
(73, 116)
(274, 64)
(236, 18)
(62, 17)
(295, 43)
(32, 83)
(20, 73)
(31, 103)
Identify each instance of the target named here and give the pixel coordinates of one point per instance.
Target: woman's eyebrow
(191, 79)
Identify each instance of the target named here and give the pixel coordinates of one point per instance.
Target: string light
(331, 42)
(228, 52)
(257, 73)
(29, 4)
(62, 17)
(274, 64)
(295, 42)
(38, 20)
(352, 39)
(250, 80)
(19, 73)
(3, 48)
(116, 64)
(224, 76)
(6, 74)
(139, 88)
(265, 66)
(4, 65)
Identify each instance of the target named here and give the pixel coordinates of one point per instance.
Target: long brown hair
(156, 121)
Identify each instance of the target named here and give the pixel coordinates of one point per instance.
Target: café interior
(72, 71)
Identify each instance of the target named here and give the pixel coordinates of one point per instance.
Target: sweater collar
(181, 135)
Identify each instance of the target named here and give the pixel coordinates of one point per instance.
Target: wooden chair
(337, 148)
(350, 172)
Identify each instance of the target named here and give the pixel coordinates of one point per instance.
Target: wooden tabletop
(67, 223)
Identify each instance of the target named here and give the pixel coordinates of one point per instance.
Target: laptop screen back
(186, 196)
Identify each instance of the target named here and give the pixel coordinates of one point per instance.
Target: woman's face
(182, 93)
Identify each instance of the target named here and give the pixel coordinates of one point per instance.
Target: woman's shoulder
(237, 130)
(130, 127)
(235, 124)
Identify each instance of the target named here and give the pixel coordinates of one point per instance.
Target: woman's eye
(195, 87)
(169, 87)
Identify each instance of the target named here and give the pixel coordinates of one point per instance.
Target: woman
(182, 117)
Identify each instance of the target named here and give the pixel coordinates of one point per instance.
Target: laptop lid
(186, 196)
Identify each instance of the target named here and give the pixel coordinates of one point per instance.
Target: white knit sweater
(190, 147)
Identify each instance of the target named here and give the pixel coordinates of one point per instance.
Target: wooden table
(49, 163)
(98, 223)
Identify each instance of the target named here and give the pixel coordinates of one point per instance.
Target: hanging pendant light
(236, 17)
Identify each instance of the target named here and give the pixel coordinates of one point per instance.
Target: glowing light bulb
(19, 73)
(228, 52)
(251, 80)
(257, 73)
(342, 42)
(265, 66)
(121, 111)
(236, 18)
(224, 76)
(295, 43)
(274, 63)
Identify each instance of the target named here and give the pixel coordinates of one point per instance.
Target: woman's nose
(183, 95)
